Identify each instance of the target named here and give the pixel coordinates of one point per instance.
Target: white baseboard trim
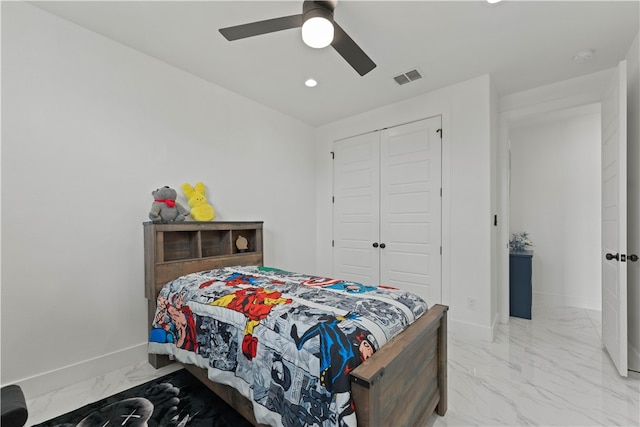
(545, 299)
(472, 331)
(496, 320)
(634, 358)
(58, 378)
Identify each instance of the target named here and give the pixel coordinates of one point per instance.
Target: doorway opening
(555, 197)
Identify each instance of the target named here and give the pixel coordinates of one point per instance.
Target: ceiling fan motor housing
(317, 9)
(326, 5)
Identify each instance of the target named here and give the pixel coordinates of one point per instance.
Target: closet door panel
(410, 208)
(356, 209)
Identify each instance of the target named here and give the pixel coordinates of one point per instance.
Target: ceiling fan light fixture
(317, 29)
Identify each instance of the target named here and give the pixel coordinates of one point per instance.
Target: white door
(356, 208)
(387, 208)
(614, 218)
(410, 208)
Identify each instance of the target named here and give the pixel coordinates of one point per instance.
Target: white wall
(89, 129)
(466, 181)
(633, 201)
(555, 196)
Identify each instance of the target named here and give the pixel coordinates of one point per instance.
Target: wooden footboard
(406, 380)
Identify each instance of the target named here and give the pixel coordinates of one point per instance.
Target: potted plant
(520, 241)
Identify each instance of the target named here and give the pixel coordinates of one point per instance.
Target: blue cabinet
(520, 272)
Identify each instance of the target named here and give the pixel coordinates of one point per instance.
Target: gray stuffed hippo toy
(165, 208)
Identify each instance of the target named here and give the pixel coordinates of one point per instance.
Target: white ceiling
(522, 44)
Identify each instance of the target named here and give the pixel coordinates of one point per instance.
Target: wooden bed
(402, 384)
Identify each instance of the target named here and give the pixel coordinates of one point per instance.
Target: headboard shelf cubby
(176, 249)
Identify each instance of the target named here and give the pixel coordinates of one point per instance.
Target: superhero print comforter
(286, 341)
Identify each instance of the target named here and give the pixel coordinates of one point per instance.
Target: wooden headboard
(175, 249)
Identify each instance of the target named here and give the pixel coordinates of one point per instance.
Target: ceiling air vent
(407, 77)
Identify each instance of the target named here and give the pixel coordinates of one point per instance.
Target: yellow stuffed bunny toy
(201, 210)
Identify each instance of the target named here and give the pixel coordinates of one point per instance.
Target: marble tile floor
(549, 371)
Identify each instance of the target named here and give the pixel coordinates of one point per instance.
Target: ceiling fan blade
(350, 51)
(261, 27)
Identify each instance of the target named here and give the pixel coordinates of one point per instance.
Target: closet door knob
(382, 246)
(611, 256)
(375, 244)
(633, 257)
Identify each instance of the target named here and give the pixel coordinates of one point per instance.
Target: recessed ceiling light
(583, 55)
(310, 83)
(493, 1)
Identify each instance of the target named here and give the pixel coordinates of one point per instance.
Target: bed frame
(402, 384)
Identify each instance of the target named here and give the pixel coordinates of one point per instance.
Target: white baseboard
(472, 331)
(544, 299)
(496, 320)
(58, 378)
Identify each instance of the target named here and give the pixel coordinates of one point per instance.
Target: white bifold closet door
(387, 208)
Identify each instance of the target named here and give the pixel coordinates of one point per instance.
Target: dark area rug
(177, 399)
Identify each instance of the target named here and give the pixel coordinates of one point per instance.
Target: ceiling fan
(318, 30)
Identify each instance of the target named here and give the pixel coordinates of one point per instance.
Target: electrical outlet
(471, 303)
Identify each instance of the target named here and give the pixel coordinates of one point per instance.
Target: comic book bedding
(287, 341)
